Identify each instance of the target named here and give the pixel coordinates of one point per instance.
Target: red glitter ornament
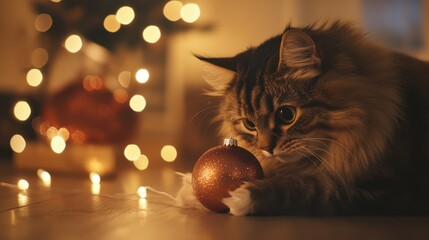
(223, 169)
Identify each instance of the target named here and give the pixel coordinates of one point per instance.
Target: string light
(94, 177)
(45, 177)
(141, 163)
(172, 10)
(120, 95)
(137, 103)
(132, 152)
(151, 34)
(22, 110)
(169, 153)
(111, 24)
(142, 75)
(43, 22)
(125, 15)
(142, 192)
(39, 57)
(64, 133)
(22, 199)
(190, 12)
(34, 77)
(73, 43)
(23, 185)
(17, 143)
(124, 78)
(58, 144)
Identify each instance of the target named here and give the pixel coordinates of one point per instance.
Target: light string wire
(125, 196)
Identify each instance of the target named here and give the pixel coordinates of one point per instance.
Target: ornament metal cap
(230, 142)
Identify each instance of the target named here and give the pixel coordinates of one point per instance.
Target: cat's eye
(249, 124)
(286, 114)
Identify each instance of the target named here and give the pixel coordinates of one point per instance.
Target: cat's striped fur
(339, 124)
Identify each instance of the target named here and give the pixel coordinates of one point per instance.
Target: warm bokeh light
(168, 153)
(137, 103)
(22, 110)
(43, 22)
(58, 144)
(51, 132)
(120, 95)
(125, 15)
(45, 177)
(73, 43)
(142, 192)
(190, 12)
(172, 10)
(17, 143)
(56, 1)
(94, 177)
(142, 75)
(39, 57)
(111, 24)
(64, 133)
(141, 163)
(151, 34)
(23, 184)
(95, 188)
(34, 77)
(92, 82)
(22, 199)
(132, 152)
(124, 78)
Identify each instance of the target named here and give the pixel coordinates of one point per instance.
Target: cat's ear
(297, 50)
(218, 73)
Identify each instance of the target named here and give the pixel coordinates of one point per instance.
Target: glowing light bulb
(142, 75)
(17, 143)
(45, 177)
(23, 185)
(151, 34)
(58, 144)
(64, 133)
(22, 110)
(73, 43)
(132, 152)
(125, 15)
(137, 103)
(34, 77)
(172, 10)
(39, 57)
(43, 22)
(141, 163)
(142, 192)
(51, 132)
(95, 178)
(124, 78)
(111, 24)
(95, 188)
(190, 12)
(169, 153)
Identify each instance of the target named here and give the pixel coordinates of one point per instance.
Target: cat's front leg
(280, 195)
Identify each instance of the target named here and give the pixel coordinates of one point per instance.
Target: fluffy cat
(339, 124)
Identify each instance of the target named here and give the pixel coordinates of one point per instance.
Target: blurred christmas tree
(143, 25)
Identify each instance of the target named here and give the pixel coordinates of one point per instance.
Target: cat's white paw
(186, 196)
(240, 203)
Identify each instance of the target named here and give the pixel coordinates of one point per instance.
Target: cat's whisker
(326, 163)
(201, 111)
(300, 152)
(320, 140)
